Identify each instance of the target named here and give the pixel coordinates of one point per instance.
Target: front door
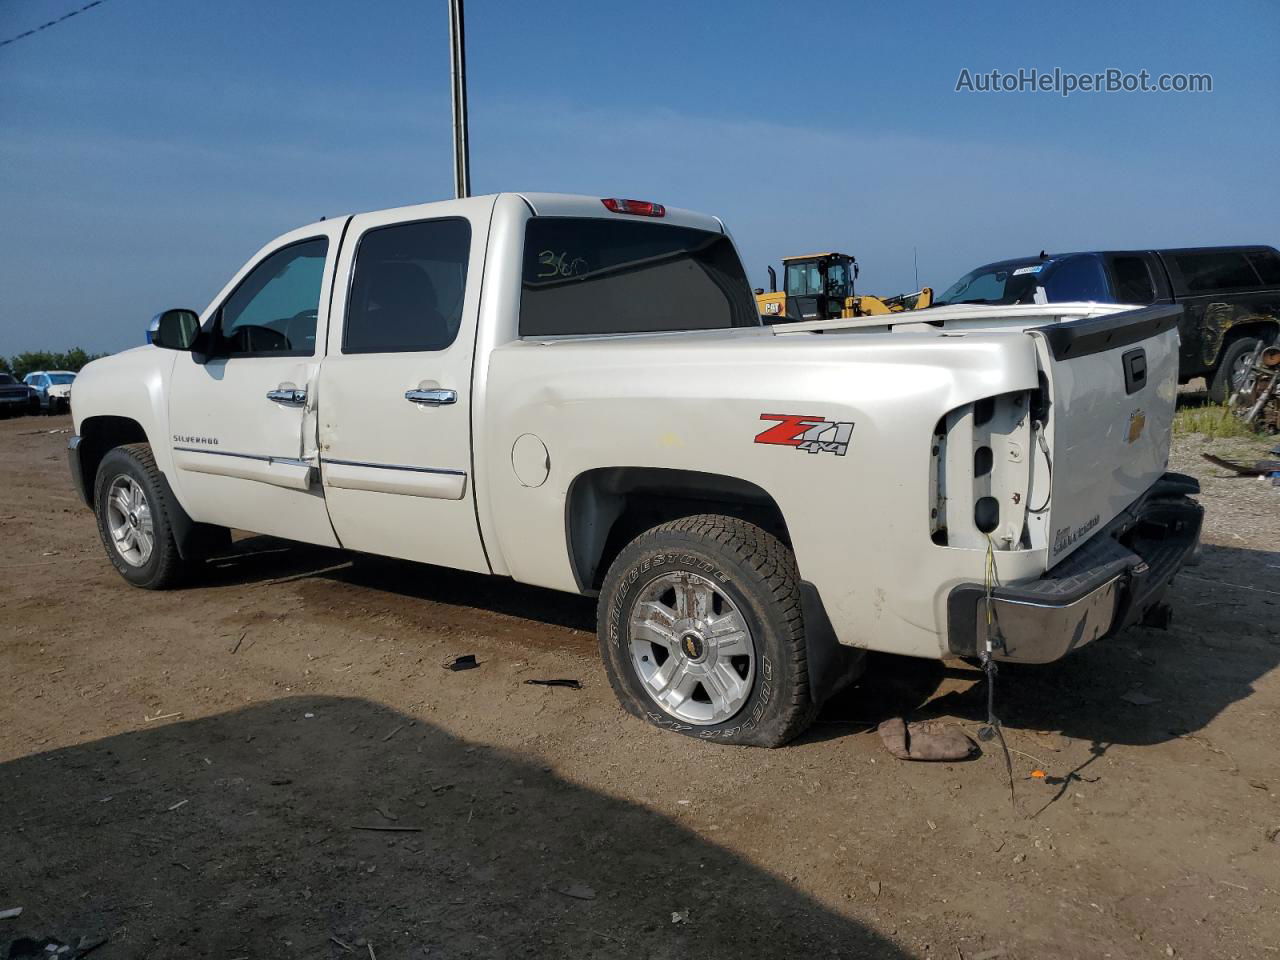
(242, 414)
(395, 388)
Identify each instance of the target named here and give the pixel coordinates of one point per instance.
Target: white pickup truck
(578, 393)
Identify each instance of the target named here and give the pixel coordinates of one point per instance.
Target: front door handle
(432, 398)
(290, 396)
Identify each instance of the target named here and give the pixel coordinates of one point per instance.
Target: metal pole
(458, 70)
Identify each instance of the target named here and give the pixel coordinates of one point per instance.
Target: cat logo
(1137, 423)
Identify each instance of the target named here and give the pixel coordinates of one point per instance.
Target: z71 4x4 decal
(811, 434)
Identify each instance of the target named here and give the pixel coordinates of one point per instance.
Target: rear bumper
(1104, 586)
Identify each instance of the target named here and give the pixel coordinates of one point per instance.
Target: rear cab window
(583, 276)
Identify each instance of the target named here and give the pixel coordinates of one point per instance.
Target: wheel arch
(1264, 327)
(98, 436)
(607, 507)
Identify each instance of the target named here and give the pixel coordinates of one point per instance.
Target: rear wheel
(701, 632)
(133, 518)
(1233, 368)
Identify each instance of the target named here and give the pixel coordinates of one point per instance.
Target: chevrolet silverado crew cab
(1231, 296)
(579, 394)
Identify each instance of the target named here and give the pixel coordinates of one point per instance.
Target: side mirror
(176, 329)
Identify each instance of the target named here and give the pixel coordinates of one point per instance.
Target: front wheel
(701, 632)
(133, 518)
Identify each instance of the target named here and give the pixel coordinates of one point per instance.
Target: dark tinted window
(1267, 263)
(275, 307)
(1209, 272)
(1077, 278)
(406, 294)
(584, 276)
(1133, 280)
(6, 378)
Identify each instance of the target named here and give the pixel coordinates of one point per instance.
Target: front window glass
(56, 378)
(803, 279)
(1005, 284)
(585, 276)
(274, 309)
(6, 378)
(1133, 280)
(1077, 279)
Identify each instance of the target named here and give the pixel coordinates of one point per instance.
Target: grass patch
(1213, 420)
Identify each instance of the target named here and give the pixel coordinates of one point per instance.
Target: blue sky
(147, 148)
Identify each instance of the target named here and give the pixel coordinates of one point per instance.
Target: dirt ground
(187, 773)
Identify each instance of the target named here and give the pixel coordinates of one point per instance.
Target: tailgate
(1113, 384)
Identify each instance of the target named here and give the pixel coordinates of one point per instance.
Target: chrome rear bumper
(1104, 586)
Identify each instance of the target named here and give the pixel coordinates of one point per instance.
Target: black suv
(1231, 294)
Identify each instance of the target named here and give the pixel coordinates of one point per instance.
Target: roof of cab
(578, 205)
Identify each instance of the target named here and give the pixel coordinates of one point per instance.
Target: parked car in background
(52, 389)
(15, 397)
(1231, 295)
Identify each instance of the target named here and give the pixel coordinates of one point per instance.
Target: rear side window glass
(274, 309)
(1133, 280)
(1267, 263)
(1210, 272)
(1079, 278)
(583, 276)
(408, 287)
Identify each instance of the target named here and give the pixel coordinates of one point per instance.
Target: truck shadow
(259, 558)
(1223, 638)
(1144, 686)
(312, 826)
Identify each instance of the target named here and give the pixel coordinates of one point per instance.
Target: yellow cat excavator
(819, 286)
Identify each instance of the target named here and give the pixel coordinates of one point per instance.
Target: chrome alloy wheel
(129, 520)
(1241, 371)
(691, 648)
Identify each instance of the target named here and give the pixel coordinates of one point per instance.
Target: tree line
(23, 363)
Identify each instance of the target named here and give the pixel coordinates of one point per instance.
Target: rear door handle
(290, 396)
(432, 398)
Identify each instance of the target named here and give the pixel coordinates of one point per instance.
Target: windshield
(1007, 283)
(56, 378)
(5, 378)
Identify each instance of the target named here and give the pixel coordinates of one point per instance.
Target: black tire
(164, 568)
(758, 573)
(1220, 386)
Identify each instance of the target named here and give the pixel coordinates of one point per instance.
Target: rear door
(1113, 389)
(395, 387)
